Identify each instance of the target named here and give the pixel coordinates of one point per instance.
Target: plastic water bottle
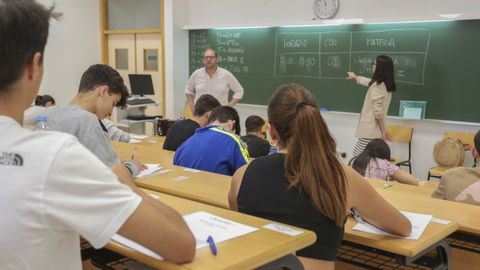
(42, 123)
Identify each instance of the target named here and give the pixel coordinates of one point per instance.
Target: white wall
(73, 45)
(214, 13)
(176, 56)
(282, 12)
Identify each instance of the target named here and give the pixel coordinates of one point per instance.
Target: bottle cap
(42, 118)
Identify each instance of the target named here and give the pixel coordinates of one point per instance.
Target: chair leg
(428, 178)
(410, 167)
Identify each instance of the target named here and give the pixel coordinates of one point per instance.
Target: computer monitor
(141, 84)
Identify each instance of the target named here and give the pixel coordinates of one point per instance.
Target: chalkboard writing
(329, 55)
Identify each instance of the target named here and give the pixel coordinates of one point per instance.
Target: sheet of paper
(412, 113)
(134, 246)
(134, 141)
(282, 229)
(155, 196)
(202, 225)
(441, 221)
(419, 223)
(138, 137)
(151, 169)
(191, 170)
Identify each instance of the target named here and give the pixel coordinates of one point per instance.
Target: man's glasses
(209, 57)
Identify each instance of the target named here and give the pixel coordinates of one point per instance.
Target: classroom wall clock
(326, 9)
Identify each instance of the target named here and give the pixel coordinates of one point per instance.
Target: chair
(402, 134)
(187, 112)
(467, 141)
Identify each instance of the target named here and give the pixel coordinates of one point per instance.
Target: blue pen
(211, 243)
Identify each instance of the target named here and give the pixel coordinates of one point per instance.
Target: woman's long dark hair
(311, 163)
(384, 73)
(376, 148)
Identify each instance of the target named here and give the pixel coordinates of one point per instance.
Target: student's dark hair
(376, 148)
(254, 123)
(311, 163)
(223, 114)
(98, 75)
(43, 100)
(476, 141)
(384, 72)
(204, 104)
(23, 32)
(38, 100)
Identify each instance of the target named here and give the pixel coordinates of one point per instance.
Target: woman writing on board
(371, 124)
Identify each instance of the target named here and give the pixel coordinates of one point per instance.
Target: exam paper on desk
(202, 225)
(419, 223)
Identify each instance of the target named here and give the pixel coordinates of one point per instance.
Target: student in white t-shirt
(52, 188)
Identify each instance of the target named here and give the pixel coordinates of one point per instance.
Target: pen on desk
(211, 243)
(133, 154)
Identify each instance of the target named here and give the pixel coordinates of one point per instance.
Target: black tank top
(265, 193)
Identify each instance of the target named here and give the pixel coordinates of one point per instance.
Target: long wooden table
(260, 248)
(213, 189)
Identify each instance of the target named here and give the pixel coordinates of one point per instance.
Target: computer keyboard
(140, 101)
(143, 117)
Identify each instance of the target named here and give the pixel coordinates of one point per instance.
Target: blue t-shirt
(212, 149)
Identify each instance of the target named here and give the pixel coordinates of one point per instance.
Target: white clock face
(325, 9)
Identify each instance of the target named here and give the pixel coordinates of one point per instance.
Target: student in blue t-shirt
(215, 148)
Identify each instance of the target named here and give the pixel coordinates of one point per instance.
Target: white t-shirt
(218, 86)
(52, 191)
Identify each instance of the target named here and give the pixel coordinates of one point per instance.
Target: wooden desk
(204, 187)
(245, 252)
(148, 151)
(425, 189)
(213, 189)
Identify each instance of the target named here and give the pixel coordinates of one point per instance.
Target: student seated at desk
(374, 162)
(101, 88)
(215, 148)
(255, 138)
(304, 184)
(53, 188)
(181, 130)
(41, 104)
(462, 184)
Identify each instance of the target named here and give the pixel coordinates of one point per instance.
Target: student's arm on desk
(405, 178)
(235, 187)
(372, 207)
(157, 226)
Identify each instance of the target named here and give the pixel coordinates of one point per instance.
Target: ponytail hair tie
(300, 105)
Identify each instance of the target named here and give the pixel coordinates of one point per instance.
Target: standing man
(212, 80)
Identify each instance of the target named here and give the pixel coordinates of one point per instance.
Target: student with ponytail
(374, 162)
(305, 184)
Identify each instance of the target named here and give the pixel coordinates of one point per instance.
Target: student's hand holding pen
(136, 161)
(139, 164)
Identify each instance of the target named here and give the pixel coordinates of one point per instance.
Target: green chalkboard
(437, 62)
